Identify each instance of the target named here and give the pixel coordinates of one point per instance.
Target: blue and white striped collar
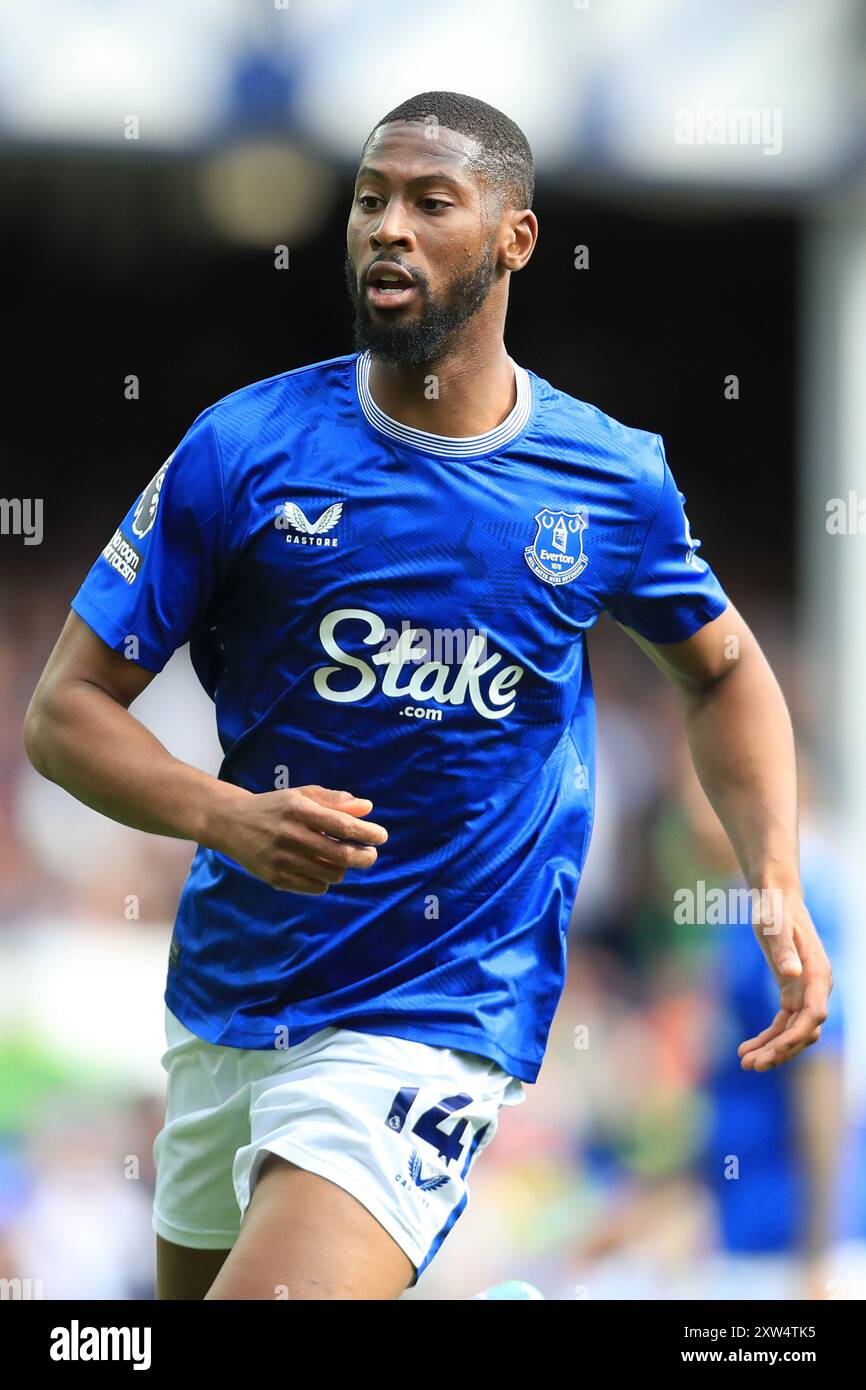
(450, 446)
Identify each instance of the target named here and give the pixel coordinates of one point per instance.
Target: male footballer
(386, 565)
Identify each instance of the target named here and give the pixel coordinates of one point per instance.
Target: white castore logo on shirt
(429, 680)
(304, 532)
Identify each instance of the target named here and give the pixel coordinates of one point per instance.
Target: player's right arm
(151, 588)
(79, 732)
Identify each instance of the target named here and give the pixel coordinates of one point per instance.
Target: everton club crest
(556, 555)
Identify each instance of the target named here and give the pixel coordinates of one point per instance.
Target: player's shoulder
(592, 430)
(297, 390)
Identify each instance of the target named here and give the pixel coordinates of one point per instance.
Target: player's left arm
(742, 747)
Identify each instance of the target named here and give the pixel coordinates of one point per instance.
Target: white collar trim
(452, 447)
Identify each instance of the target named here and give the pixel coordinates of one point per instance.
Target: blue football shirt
(403, 615)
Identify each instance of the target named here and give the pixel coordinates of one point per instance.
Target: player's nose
(393, 228)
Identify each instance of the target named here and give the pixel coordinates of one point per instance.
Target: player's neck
(471, 394)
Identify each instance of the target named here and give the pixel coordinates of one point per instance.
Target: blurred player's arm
(742, 747)
(819, 1106)
(79, 732)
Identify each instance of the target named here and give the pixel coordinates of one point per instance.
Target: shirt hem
(520, 1067)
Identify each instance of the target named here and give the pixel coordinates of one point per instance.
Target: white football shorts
(396, 1123)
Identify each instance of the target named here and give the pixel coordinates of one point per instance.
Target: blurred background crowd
(152, 164)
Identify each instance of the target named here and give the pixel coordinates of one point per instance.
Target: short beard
(421, 341)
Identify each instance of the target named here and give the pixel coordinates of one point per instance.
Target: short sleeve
(671, 592)
(155, 578)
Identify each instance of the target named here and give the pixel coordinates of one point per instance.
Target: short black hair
(504, 160)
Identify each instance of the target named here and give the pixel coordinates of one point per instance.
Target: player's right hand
(303, 839)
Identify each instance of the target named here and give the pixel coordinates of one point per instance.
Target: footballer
(386, 566)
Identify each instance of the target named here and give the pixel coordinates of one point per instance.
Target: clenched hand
(303, 839)
(805, 978)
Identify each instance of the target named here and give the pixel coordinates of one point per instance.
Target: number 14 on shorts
(448, 1144)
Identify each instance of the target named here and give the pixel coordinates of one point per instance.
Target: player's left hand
(804, 975)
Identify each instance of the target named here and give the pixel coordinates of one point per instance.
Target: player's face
(418, 206)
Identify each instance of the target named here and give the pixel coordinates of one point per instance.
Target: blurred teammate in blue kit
(386, 565)
(785, 1161)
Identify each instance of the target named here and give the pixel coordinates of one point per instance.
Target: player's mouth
(389, 286)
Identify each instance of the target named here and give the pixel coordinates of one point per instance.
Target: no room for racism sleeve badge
(557, 555)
